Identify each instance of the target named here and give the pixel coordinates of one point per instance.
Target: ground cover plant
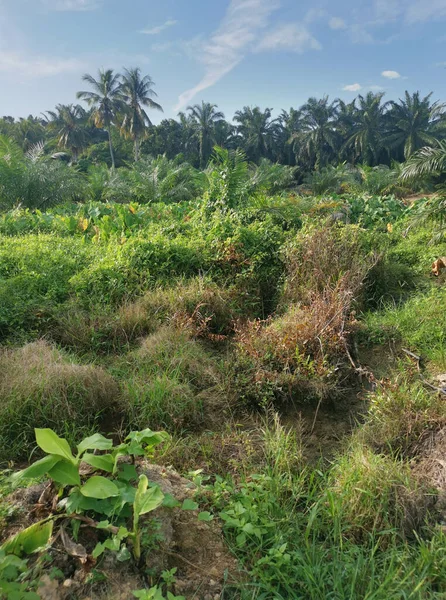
(283, 325)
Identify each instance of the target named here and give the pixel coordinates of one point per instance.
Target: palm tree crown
(106, 101)
(69, 122)
(137, 92)
(414, 123)
(204, 118)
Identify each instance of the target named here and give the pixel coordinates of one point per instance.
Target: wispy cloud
(293, 36)
(227, 46)
(32, 67)
(353, 87)
(391, 74)
(337, 23)
(242, 31)
(419, 10)
(72, 5)
(159, 28)
(409, 11)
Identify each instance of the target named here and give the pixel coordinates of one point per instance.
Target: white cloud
(420, 10)
(159, 28)
(337, 23)
(353, 87)
(240, 33)
(391, 74)
(227, 46)
(15, 63)
(72, 5)
(293, 36)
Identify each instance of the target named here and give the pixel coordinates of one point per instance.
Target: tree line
(115, 127)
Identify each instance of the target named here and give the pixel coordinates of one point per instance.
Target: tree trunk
(112, 154)
(136, 147)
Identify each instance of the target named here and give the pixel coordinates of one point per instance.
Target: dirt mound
(431, 463)
(195, 548)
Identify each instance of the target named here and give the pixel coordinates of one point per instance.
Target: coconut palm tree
(317, 139)
(137, 93)
(69, 123)
(106, 101)
(413, 123)
(204, 118)
(368, 136)
(256, 131)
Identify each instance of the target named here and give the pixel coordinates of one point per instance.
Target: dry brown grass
(40, 387)
(299, 352)
(205, 309)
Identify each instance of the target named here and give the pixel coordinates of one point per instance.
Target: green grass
(419, 324)
(168, 317)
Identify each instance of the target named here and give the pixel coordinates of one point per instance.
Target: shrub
(39, 387)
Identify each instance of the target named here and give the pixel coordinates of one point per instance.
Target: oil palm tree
(204, 118)
(137, 93)
(106, 101)
(414, 123)
(367, 136)
(257, 132)
(69, 123)
(317, 139)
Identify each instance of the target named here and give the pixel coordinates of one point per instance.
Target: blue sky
(271, 53)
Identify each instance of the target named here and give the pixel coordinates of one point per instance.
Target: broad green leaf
(147, 500)
(65, 473)
(189, 504)
(29, 540)
(37, 469)
(170, 501)
(94, 442)
(123, 554)
(127, 472)
(51, 443)
(104, 462)
(205, 516)
(100, 488)
(98, 550)
(148, 437)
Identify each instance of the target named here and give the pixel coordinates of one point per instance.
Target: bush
(39, 387)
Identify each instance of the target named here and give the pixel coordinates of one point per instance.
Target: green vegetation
(273, 310)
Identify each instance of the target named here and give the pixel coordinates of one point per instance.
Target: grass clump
(419, 323)
(400, 412)
(376, 495)
(170, 381)
(40, 387)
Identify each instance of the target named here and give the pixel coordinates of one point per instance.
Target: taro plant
(110, 494)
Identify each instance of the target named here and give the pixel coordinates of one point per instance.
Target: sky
(234, 53)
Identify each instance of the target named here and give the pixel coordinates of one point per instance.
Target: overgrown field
(275, 338)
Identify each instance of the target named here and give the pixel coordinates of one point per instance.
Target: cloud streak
(241, 31)
(15, 63)
(72, 5)
(293, 36)
(159, 28)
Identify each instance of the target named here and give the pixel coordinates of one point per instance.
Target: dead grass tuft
(40, 387)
